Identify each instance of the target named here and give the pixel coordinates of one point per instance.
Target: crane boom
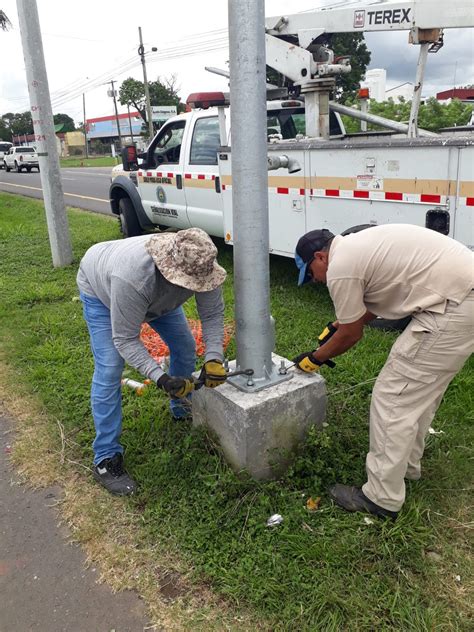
(373, 16)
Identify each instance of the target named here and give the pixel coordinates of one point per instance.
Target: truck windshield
(287, 123)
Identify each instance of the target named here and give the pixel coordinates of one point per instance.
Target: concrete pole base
(259, 432)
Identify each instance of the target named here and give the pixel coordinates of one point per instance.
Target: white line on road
(85, 173)
(83, 197)
(64, 178)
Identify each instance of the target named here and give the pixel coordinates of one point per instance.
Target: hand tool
(249, 372)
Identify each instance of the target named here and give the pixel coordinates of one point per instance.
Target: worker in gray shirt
(125, 283)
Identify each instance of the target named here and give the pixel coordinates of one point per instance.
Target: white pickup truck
(185, 178)
(20, 158)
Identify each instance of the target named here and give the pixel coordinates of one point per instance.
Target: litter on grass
(274, 520)
(432, 431)
(159, 350)
(368, 520)
(312, 504)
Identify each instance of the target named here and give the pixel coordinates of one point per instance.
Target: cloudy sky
(90, 42)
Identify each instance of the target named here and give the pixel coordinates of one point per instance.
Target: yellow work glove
(212, 374)
(307, 362)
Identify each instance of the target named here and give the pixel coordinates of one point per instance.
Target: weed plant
(325, 570)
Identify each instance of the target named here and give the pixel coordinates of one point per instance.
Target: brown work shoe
(353, 499)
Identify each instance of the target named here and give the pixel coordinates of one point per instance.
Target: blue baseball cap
(314, 241)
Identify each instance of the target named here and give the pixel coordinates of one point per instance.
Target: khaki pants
(407, 393)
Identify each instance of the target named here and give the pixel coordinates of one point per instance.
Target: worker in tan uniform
(394, 271)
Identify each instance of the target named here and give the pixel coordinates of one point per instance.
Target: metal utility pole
(254, 327)
(130, 123)
(141, 52)
(85, 122)
(117, 120)
(45, 138)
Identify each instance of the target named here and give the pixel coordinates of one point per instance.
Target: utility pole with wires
(85, 122)
(44, 136)
(112, 93)
(141, 52)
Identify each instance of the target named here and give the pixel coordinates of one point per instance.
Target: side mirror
(129, 158)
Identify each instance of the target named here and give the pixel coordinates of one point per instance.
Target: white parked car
(4, 149)
(20, 158)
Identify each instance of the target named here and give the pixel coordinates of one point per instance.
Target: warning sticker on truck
(369, 183)
(168, 212)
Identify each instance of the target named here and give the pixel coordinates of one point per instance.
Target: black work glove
(307, 362)
(212, 374)
(175, 387)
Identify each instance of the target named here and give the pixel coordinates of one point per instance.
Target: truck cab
(177, 182)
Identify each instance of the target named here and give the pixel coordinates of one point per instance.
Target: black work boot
(353, 499)
(113, 476)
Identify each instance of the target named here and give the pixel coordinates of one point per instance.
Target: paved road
(44, 585)
(84, 187)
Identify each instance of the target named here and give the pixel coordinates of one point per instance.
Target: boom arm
(373, 16)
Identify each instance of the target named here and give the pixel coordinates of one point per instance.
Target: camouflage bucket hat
(187, 258)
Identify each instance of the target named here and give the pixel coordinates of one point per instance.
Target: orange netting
(159, 350)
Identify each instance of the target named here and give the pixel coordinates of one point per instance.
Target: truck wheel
(17, 167)
(28, 169)
(7, 168)
(128, 219)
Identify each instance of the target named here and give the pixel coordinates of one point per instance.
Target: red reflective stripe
(470, 201)
(188, 176)
(170, 175)
(360, 194)
(159, 174)
(302, 191)
(332, 192)
(201, 176)
(389, 195)
(223, 187)
(140, 173)
(213, 177)
(148, 173)
(434, 199)
(282, 190)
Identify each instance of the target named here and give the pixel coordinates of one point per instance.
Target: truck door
(160, 181)
(201, 177)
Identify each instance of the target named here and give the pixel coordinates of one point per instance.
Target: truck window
(26, 150)
(290, 122)
(5, 146)
(167, 146)
(206, 142)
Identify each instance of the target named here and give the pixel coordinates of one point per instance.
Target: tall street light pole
(45, 138)
(141, 52)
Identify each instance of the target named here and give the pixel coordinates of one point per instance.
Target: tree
(351, 45)
(5, 23)
(18, 124)
(66, 120)
(132, 93)
(344, 45)
(432, 114)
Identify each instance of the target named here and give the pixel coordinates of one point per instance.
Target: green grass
(104, 161)
(325, 570)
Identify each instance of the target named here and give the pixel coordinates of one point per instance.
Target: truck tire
(17, 167)
(128, 219)
(7, 168)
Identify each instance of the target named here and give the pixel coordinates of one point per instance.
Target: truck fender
(121, 187)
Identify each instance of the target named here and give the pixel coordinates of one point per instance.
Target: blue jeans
(106, 395)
